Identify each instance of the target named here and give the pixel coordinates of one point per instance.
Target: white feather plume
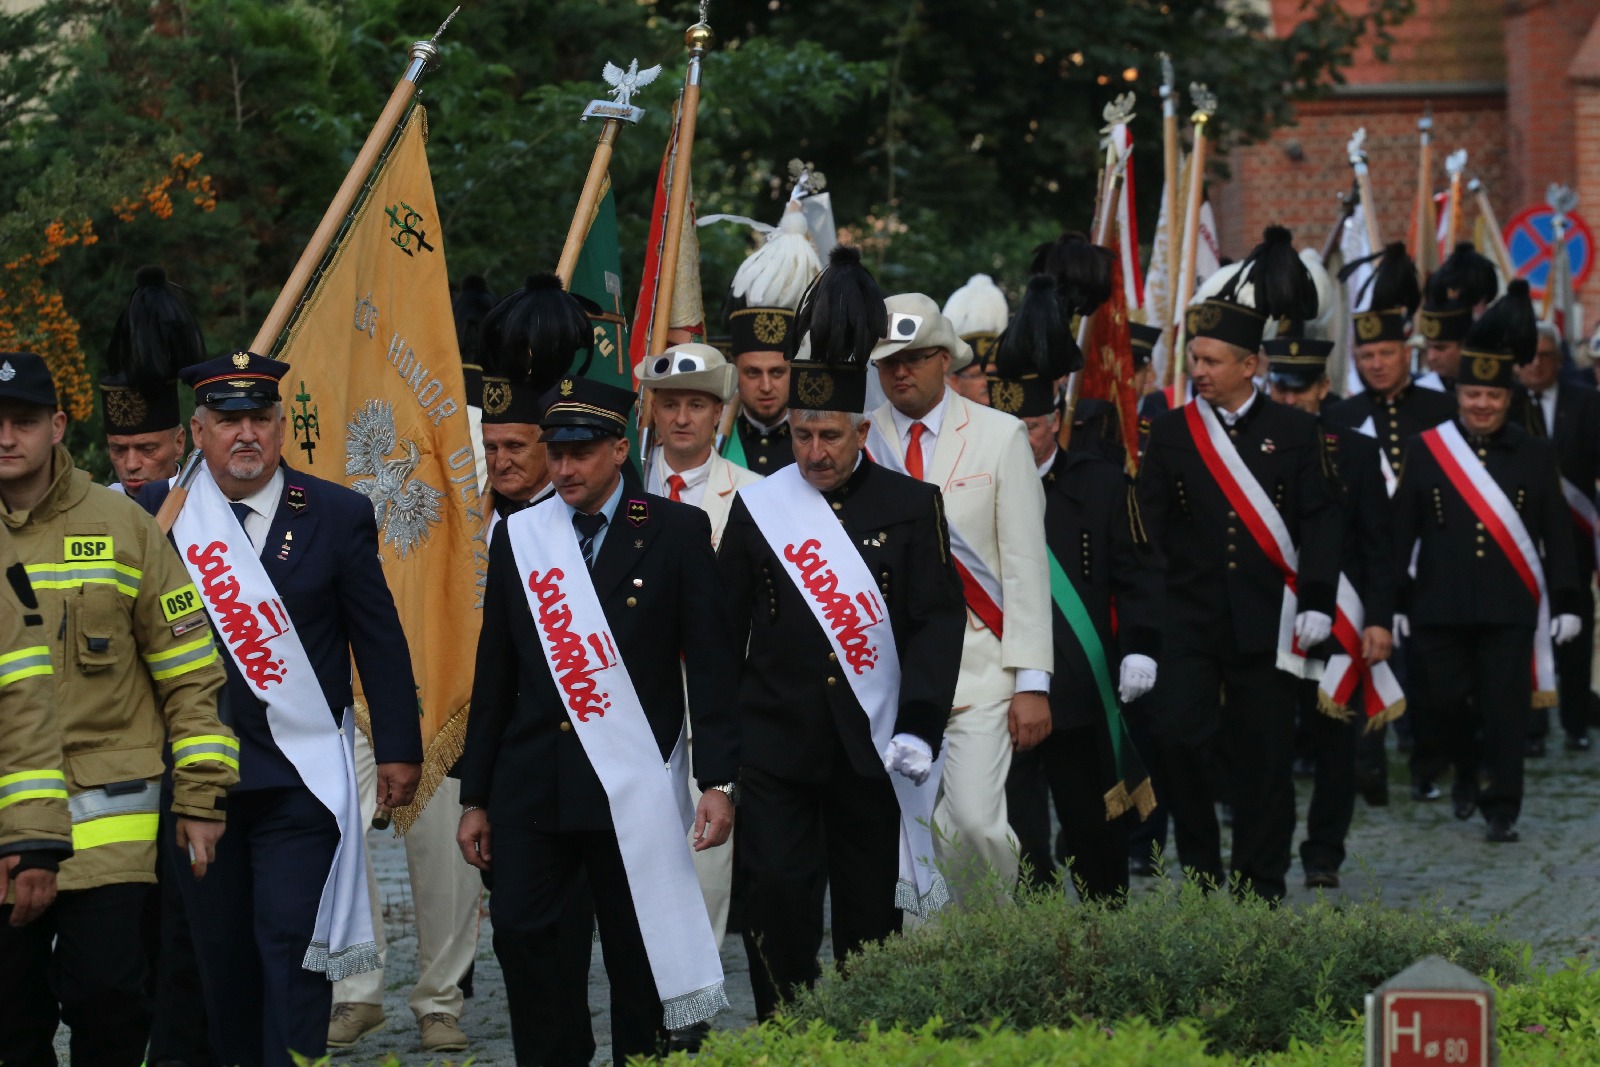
(777, 273)
(1321, 327)
(977, 307)
(1245, 295)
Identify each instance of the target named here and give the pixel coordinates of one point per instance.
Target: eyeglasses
(666, 366)
(909, 360)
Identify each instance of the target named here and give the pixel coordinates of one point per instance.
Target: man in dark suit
(1569, 416)
(1298, 377)
(820, 810)
(254, 914)
(1093, 532)
(1228, 684)
(535, 810)
(1473, 610)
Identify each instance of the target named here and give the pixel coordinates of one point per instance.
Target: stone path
(1541, 890)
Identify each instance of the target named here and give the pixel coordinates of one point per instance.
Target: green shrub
(1548, 1021)
(1252, 977)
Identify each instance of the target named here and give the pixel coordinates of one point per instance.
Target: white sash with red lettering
(261, 639)
(1583, 511)
(984, 594)
(1495, 510)
(834, 581)
(609, 719)
(1382, 699)
(1266, 526)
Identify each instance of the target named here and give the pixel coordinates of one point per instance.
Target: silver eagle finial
(624, 83)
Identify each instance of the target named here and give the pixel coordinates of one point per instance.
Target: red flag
(644, 313)
(1108, 363)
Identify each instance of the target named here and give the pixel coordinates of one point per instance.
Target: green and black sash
(1131, 790)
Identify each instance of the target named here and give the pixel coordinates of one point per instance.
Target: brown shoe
(440, 1033)
(350, 1023)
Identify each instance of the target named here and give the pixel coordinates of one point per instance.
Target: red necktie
(914, 451)
(675, 486)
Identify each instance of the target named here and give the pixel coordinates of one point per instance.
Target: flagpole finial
(438, 33)
(1118, 112)
(1169, 80)
(425, 54)
(1205, 103)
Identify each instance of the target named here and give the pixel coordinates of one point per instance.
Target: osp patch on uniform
(638, 512)
(80, 549)
(184, 600)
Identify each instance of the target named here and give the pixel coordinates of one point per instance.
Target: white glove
(1564, 628)
(1312, 628)
(1138, 677)
(909, 755)
(1401, 628)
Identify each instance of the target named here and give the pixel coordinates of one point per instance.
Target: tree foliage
(955, 135)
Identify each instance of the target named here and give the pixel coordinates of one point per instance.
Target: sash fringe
(1386, 716)
(1333, 709)
(1144, 799)
(1117, 801)
(1120, 800)
(357, 959)
(682, 1012)
(925, 906)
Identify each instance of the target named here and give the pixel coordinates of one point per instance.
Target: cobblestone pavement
(1540, 890)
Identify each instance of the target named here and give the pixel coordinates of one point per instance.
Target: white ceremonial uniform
(980, 460)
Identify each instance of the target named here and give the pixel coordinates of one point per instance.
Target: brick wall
(1268, 186)
(1542, 38)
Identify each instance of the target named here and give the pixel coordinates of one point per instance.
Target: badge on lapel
(295, 498)
(1268, 447)
(638, 512)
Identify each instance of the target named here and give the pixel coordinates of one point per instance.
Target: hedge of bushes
(1548, 1021)
(1251, 977)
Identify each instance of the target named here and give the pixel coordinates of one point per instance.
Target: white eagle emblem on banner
(406, 508)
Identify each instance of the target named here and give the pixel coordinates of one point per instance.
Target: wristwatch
(730, 790)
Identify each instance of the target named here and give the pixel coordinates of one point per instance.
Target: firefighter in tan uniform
(35, 832)
(136, 670)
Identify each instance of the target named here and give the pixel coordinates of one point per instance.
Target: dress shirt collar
(1232, 418)
(931, 422)
(609, 508)
(661, 471)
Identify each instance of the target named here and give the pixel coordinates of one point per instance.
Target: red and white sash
(1266, 526)
(982, 588)
(609, 720)
(1494, 509)
(1583, 511)
(262, 642)
(1382, 699)
(836, 584)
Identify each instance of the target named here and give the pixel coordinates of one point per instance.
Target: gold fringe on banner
(1386, 716)
(443, 751)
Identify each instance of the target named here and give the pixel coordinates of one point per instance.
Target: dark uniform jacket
(321, 554)
(1150, 406)
(1463, 577)
(1577, 439)
(1367, 556)
(764, 451)
(657, 583)
(1095, 430)
(796, 706)
(1092, 528)
(1223, 593)
(1397, 419)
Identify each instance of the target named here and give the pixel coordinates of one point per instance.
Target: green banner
(733, 447)
(598, 276)
(1132, 788)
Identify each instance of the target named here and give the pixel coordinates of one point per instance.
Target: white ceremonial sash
(1266, 526)
(1494, 509)
(1583, 511)
(832, 578)
(1391, 480)
(982, 588)
(260, 637)
(643, 791)
(1382, 698)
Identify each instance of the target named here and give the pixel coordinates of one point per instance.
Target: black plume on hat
(842, 312)
(1282, 287)
(1509, 325)
(1038, 339)
(1392, 283)
(532, 336)
(1081, 270)
(470, 307)
(1465, 278)
(155, 336)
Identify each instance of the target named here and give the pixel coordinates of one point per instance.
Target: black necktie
(241, 511)
(588, 527)
(1540, 423)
